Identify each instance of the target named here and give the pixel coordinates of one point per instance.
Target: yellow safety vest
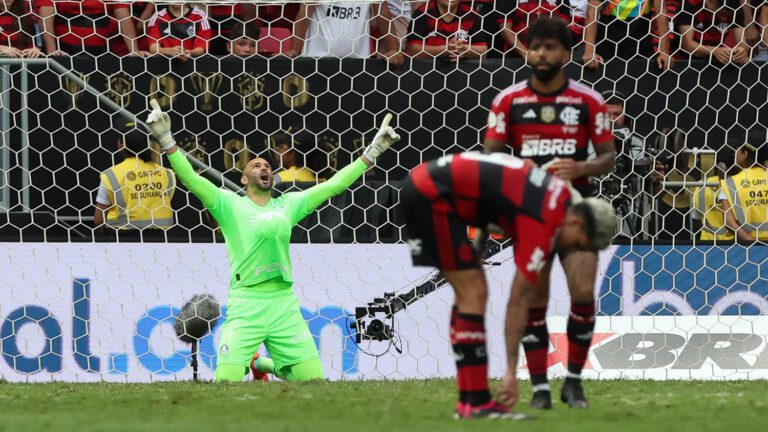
(141, 193)
(713, 220)
(294, 174)
(747, 192)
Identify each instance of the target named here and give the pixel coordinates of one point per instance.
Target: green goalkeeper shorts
(269, 314)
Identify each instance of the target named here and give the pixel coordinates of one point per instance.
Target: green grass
(617, 406)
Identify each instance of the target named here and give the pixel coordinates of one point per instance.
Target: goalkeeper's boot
(542, 399)
(257, 374)
(573, 394)
(491, 410)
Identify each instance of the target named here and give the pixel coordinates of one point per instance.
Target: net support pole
(205, 169)
(5, 134)
(25, 175)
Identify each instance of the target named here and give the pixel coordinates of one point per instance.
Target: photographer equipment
(196, 319)
(375, 321)
(624, 186)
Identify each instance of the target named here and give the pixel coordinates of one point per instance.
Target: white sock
(572, 375)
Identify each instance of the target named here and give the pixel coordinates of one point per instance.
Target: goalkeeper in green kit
(262, 307)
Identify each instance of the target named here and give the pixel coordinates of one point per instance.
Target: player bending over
(551, 119)
(537, 210)
(257, 231)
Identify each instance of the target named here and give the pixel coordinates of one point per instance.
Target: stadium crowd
(724, 30)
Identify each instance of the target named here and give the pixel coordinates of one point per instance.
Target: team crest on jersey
(570, 116)
(548, 114)
(462, 35)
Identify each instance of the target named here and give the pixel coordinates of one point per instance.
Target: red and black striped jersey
(220, 13)
(501, 191)
(542, 127)
(280, 15)
(192, 28)
(709, 27)
(428, 28)
(12, 32)
(83, 25)
(224, 17)
(521, 14)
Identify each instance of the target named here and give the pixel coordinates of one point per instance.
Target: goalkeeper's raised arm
(255, 177)
(159, 123)
(257, 230)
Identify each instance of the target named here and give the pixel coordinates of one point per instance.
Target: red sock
(536, 345)
(581, 324)
(468, 340)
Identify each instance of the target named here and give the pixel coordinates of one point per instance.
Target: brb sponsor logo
(50, 358)
(547, 147)
(664, 350)
(685, 280)
(692, 351)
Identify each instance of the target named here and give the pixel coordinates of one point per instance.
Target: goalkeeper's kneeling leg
(305, 371)
(230, 372)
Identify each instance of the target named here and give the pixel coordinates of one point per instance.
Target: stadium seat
(274, 40)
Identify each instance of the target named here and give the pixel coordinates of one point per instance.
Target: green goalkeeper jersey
(258, 238)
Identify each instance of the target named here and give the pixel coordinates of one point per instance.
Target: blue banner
(686, 280)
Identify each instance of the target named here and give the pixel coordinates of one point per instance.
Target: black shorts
(436, 235)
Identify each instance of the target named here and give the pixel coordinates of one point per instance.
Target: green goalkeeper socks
(304, 371)
(230, 373)
(265, 364)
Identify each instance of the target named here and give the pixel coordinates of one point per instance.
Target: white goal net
(84, 304)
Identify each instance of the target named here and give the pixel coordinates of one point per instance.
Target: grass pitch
(367, 406)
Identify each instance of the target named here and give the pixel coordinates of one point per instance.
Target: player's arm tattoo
(604, 161)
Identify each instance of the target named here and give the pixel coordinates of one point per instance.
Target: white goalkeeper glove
(385, 137)
(160, 124)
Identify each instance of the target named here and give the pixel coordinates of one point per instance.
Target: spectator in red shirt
(519, 15)
(74, 27)
(180, 31)
(447, 28)
(706, 24)
(17, 30)
(141, 12)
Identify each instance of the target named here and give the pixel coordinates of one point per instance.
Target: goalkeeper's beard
(256, 186)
